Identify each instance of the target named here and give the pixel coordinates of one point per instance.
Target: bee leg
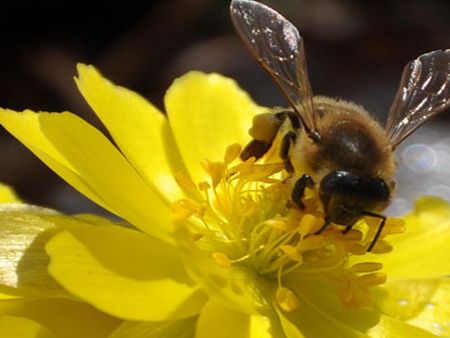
(379, 230)
(255, 148)
(295, 121)
(293, 118)
(347, 228)
(286, 142)
(324, 227)
(299, 189)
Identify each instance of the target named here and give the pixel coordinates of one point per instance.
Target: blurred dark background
(355, 50)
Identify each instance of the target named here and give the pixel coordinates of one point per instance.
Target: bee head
(346, 196)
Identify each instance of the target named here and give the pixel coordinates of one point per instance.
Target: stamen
(277, 223)
(286, 299)
(204, 186)
(357, 249)
(292, 253)
(233, 151)
(221, 259)
(307, 225)
(367, 267)
(352, 235)
(186, 184)
(197, 236)
(382, 247)
(215, 170)
(244, 210)
(372, 279)
(394, 226)
(184, 208)
(311, 243)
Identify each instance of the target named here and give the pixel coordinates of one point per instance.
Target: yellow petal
(314, 323)
(183, 328)
(139, 129)
(405, 299)
(15, 327)
(8, 195)
(9, 293)
(219, 321)
(435, 316)
(124, 273)
(207, 113)
(233, 287)
(26, 209)
(320, 314)
(319, 295)
(89, 162)
(290, 329)
(393, 328)
(63, 317)
(424, 303)
(23, 260)
(422, 250)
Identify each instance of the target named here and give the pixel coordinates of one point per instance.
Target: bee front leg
(347, 229)
(299, 189)
(264, 128)
(286, 143)
(255, 148)
(379, 230)
(324, 227)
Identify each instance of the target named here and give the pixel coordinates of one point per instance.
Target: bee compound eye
(377, 189)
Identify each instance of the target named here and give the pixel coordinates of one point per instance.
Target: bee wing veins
(278, 47)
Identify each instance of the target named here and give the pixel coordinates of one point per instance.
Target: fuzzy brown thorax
(350, 140)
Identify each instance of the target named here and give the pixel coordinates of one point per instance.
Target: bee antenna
(379, 230)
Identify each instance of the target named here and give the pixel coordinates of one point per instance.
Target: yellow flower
(209, 246)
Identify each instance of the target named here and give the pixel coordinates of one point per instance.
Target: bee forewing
(424, 92)
(278, 46)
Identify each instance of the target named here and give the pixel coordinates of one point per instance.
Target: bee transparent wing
(278, 46)
(423, 93)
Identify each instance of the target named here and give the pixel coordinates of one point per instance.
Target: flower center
(243, 216)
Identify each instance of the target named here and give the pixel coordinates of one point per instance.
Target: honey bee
(332, 145)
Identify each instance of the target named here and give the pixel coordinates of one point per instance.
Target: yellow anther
(382, 247)
(242, 214)
(262, 171)
(184, 208)
(311, 243)
(353, 235)
(367, 267)
(185, 182)
(232, 153)
(372, 279)
(244, 167)
(292, 253)
(197, 236)
(307, 224)
(278, 223)
(221, 259)
(394, 226)
(204, 186)
(180, 211)
(286, 299)
(356, 248)
(372, 222)
(215, 170)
